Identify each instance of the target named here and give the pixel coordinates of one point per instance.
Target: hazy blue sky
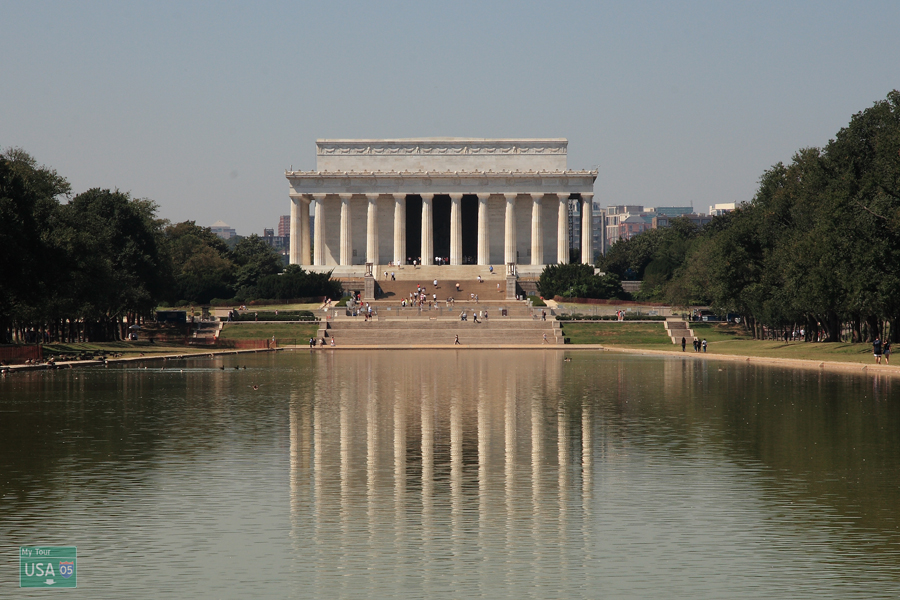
(202, 106)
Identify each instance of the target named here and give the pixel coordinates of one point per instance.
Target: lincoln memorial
(438, 200)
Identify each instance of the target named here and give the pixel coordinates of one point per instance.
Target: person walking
(703, 344)
(545, 339)
(456, 342)
(435, 284)
(886, 351)
(683, 344)
(876, 348)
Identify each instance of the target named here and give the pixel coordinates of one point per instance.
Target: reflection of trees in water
(825, 438)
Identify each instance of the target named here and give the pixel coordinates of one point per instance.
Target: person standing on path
(683, 344)
(876, 348)
(456, 342)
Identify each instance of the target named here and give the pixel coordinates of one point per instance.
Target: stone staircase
(440, 272)
(424, 330)
(487, 290)
(678, 328)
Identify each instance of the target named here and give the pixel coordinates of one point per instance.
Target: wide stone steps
(443, 324)
(427, 274)
(469, 333)
(446, 288)
(392, 310)
(678, 328)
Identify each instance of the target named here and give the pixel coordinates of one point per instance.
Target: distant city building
(717, 210)
(672, 211)
(697, 219)
(598, 230)
(623, 222)
(280, 243)
(284, 226)
(223, 230)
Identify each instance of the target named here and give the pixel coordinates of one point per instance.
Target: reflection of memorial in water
(433, 460)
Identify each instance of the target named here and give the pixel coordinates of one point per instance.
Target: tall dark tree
(115, 264)
(29, 197)
(201, 262)
(255, 259)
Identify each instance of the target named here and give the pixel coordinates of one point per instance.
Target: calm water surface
(493, 474)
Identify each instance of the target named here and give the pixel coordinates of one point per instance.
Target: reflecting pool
(497, 474)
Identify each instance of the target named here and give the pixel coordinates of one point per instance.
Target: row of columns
(299, 248)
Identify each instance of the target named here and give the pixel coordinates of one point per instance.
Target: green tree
(29, 197)
(578, 281)
(255, 259)
(201, 262)
(115, 263)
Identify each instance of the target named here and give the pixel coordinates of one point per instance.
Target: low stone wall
(19, 354)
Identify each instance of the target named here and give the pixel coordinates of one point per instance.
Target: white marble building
(461, 201)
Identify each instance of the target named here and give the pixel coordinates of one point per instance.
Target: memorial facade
(438, 200)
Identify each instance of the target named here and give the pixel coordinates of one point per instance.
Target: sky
(201, 107)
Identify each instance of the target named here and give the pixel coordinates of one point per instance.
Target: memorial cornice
(429, 182)
(441, 146)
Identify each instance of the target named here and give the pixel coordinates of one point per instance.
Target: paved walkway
(71, 364)
(891, 370)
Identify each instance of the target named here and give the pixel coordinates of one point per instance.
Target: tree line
(84, 267)
(816, 249)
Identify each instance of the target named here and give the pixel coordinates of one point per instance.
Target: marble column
(304, 231)
(294, 253)
(427, 230)
(562, 235)
(587, 225)
(484, 237)
(319, 233)
(509, 254)
(455, 229)
(537, 231)
(399, 229)
(346, 232)
(372, 229)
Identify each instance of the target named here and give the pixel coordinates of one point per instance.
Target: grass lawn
(722, 338)
(633, 335)
(264, 331)
(123, 348)
(731, 339)
(285, 307)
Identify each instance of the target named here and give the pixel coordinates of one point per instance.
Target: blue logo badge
(66, 568)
